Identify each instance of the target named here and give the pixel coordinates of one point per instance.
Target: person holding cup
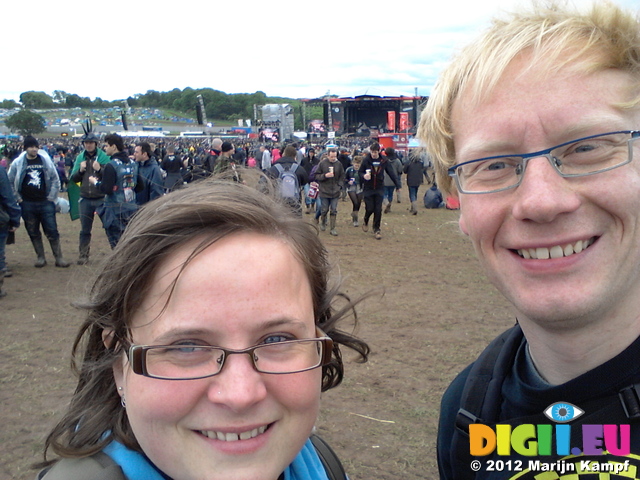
(330, 177)
(372, 174)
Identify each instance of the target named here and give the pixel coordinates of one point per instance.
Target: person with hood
(36, 184)
(119, 180)
(90, 196)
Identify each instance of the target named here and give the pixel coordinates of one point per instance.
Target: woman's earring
(122, 400)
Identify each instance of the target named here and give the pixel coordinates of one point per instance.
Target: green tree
(25, 122)
(36, 100)
(9, 104)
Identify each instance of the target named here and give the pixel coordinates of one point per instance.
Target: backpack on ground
(288, 185)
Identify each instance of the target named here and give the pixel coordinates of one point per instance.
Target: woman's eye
(276, 338)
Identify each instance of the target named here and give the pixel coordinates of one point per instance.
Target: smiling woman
(206, 350)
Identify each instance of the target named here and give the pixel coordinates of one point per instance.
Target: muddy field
(436, 314)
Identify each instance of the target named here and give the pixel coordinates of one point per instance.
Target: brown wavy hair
(207, 210)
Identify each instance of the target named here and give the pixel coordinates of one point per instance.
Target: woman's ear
(109, 341)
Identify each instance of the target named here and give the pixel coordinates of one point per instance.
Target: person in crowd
(288, 185)
(265, 158)
(212, 157)
(389, 184)
(225, 165)
(172, 164)
(119, 180)
(150, 172)
(537, 123)
(90, 197)
(196, 363)
(416, 172)
(36, 184)
(9, 221)
(354, 188)
(308, 162)
(330, 177)
(345, 160)
(372, 173)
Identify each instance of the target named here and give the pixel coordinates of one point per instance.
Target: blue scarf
(306, 465)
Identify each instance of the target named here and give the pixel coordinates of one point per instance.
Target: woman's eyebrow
(179, 332)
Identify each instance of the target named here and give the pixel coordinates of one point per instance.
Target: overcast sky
(291, 48)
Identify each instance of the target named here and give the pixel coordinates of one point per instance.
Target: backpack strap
(481, 400)
(330, 461)
(481, 396)
(99, 466)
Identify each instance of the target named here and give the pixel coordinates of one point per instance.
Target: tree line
(218, 105)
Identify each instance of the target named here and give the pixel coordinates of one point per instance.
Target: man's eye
(496, 166)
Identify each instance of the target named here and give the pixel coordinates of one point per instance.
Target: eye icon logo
(563, 412)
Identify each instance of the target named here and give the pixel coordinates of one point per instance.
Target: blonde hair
(556, 37)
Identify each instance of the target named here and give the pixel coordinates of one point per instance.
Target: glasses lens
(593, 155)
(184, 361)
(288, 357)
(490, 174)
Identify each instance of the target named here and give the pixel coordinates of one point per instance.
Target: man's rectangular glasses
(577, 158)
(190, 362)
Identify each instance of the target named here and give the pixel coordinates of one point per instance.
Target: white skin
(241, 290)
(90, 147)
(375, 154)
(109, 150)
(32, 152)
(139, 155)
(333, 158)
(580, 310)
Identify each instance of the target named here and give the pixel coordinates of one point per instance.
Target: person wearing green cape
(85, 198)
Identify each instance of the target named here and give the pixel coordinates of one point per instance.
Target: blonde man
(535, 128)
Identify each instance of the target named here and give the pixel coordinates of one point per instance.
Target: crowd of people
(112, 178)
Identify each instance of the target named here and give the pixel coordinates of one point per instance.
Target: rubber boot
(84, 253)
(2, 292)
(354, 216)
(332, 225)
(308, 211)
(414, 208)
(398, 196)
(57, 253)
(323, 222)
(38, 246)
(387, 209)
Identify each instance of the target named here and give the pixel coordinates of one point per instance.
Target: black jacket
(377, 166)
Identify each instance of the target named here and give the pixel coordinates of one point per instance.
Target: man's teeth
(233, 437)
(543, 253)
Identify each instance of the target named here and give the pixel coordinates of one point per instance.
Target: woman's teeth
(543, 253)
(234, 437)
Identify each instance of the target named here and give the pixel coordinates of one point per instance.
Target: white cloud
(282, 47)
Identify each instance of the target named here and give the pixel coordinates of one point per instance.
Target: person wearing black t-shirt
(36, 184)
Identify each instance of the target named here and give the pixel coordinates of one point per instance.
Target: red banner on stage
(391, 121)
(404, 121)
